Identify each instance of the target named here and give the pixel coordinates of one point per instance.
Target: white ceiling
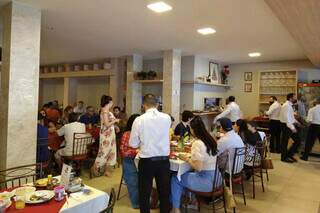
(75, 30)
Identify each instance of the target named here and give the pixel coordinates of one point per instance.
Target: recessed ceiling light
(206, 31)
(159, 7)
(255, 54)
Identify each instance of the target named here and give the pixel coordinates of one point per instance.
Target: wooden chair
(81, 143)
(18, 176)
(217, 190)
(122, 182)
(256, 168)
(266, 143)
(237, 171)
(112, 201)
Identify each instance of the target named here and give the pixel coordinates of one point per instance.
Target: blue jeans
(130, 175)
(197, 181)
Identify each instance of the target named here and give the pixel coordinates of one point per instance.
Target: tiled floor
(293, 188)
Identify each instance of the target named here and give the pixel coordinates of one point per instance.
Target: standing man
(314, 129)
(275, 126)
(289, 130)
(150, 133)
(232, 111)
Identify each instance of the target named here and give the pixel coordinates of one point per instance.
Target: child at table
(130, 173)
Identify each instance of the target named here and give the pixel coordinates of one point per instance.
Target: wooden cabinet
(276, 83)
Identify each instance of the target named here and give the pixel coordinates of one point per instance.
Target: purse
(266, 163)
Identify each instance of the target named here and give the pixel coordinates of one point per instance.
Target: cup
(20, 202)
(59, 193)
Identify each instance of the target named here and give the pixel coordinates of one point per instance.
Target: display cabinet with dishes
(276, 83)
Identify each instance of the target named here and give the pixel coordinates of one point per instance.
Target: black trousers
(313, 133)
(275, 131)
(286, 134)
(160, 170)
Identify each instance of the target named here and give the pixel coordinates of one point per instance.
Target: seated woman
(203, 161)
(241, 128)
(130, 173)
(251, 140)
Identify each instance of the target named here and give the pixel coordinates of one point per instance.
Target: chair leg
(253, 188)
(119, 190)
(267, 175)
(243, 194)
(213, 207)
(261, 176)
(199, 203)
(224, 204)
(234, 209)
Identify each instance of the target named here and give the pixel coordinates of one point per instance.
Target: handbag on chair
(266, 163)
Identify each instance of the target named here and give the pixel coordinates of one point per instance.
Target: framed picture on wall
(248, 76)
(248, 87)
(214, 72)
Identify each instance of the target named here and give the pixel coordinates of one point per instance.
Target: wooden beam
(302, 20)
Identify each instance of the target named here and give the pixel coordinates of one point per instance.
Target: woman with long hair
(130, 172)
(202, 160)
(107, 154)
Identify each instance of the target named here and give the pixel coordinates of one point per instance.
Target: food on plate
(5, 195)
(22, 191)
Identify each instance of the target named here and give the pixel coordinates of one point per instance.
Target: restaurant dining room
(166, 106)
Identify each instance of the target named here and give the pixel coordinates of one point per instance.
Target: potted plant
(142, 75)
(151, 75)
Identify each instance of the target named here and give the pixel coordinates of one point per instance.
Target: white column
(19, 84)
(171, 82)
(115, 89)
(133, 93)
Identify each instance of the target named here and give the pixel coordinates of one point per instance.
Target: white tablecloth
(94, 202)
(177, 165)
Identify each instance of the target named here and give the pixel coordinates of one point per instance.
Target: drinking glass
(20, 202)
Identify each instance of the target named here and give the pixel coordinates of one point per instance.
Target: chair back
(238, 160)
(112, 201)
(18, 176)
(259, 153)
(80, 144)
(42, 150)
(218, 178)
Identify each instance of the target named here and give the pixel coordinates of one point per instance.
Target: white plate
(6, 195)
(22, 191)
(45, 195)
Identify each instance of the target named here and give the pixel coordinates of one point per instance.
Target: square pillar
(115, 90)
(19, 84)
(69, 91)
(171, 82)
(134, 90)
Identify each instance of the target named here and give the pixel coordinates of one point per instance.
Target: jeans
(130, 175)
(197, 181)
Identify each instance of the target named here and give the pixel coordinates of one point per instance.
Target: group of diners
(148, 136)
(56, 129)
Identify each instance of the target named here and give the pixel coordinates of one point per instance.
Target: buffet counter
(207, 117)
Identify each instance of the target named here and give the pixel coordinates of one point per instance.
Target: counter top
(206, 113)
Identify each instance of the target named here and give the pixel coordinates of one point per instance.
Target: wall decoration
(213, 76)
(248, 87)
(248, 76)
(224, 74)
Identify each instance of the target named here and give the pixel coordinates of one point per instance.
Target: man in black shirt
(183, 127)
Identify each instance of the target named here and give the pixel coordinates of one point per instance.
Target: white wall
(249, 101)
(52, 89)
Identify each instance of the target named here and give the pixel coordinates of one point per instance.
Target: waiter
(275, 125)
(150, 133)
(314, 129)
(232, 111)
(289, 130)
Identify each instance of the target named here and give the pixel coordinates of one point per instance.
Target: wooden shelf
(89, 73)
(156, 81)
(279, 86)
(263, 102)
(205, 83)
(273, 93)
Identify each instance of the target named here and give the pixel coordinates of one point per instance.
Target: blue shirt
(86, 119)
(42, 144)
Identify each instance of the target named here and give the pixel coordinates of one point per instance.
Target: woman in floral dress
(107, 155)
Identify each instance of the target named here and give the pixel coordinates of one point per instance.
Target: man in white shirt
(314, 129)
(80, 109)
(150, 133)
(68, 131)
(274, 126)
(289, 130)
(232, 111)
(228, 143)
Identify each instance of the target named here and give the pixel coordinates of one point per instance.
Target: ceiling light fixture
(255, 54)
(206, 31)
(159, 7)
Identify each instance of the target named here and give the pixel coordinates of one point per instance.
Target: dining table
(78, 202)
